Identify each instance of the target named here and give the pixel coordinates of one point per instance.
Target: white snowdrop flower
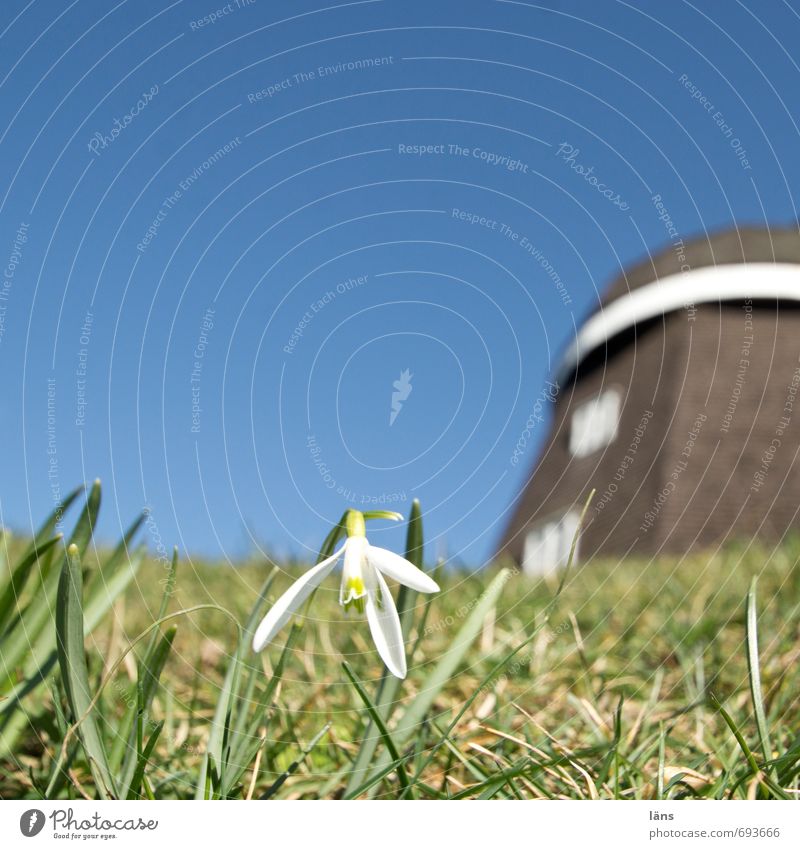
(363, 587)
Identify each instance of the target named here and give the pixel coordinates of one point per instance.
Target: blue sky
(226, 231)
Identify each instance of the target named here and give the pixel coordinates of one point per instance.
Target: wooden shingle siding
(743, 479)
(706, 448)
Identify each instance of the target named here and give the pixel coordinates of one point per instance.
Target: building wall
(741, 475)
(706, 449)
(719, 454)
(626, 473)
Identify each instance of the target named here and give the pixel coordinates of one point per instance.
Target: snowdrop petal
(281, 612)
(384, 623)
(399, 569)
(353, 585)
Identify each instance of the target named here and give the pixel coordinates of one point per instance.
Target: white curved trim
(780, 280)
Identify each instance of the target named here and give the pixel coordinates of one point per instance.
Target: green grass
(663, 679)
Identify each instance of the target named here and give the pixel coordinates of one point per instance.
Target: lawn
(638, 679)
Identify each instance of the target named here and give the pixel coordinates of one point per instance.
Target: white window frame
(547, 544)
(595, 423)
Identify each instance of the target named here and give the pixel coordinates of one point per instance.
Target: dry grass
(610, 698)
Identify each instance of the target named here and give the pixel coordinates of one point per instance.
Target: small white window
(594, 423)
(547, 545)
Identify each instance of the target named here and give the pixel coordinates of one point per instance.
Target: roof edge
(708, 284)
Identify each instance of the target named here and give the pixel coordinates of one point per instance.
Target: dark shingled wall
(742, 477)
(698, 473)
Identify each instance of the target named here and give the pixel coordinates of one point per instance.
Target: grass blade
(240, 755)
(29, 651)
(141, 763)
(749, 757)
(152, 667)
(223, 720)
(78, 722)
(84, 527)
(74, 672)
(381, 726)
(118, 557)
(19, 577)
(451, 659)
(754, 671)
(292, 768)
(662, 739)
